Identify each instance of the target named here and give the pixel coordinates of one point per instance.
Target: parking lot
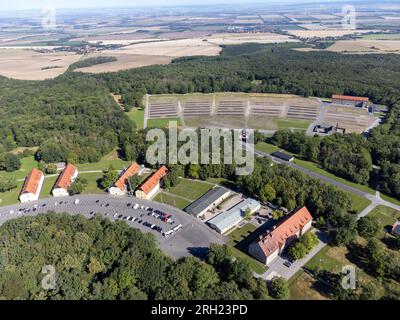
(177, 233)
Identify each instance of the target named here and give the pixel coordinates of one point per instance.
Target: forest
(100, 260)
(74, 117)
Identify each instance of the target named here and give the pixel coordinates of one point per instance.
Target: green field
(358, 203)
(290, 123)
(176, 202)
(266, 147)
(27, 164)
(191, 189)
(92, 187)
(137, 116)
(162, 123)
(386, 216)
(47, 187)
(237, 236)
(11, 197)
(104, 163)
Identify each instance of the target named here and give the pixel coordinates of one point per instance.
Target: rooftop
(235, 214)
(206, 200)
(65, 178)
(282, 155)
(32, 182)
(286, 229)
(131, 171)
(154, 180)
(351, 98)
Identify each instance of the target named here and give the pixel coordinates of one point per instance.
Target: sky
(38, 4)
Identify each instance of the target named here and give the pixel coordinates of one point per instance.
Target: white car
(76, 202)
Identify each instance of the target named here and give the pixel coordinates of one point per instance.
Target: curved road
(376, 200)
(192, 239)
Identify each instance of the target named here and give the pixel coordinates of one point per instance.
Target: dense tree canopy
(97, 259)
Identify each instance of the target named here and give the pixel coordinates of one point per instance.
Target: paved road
(375, 199)
(192, 239)
(277, 268)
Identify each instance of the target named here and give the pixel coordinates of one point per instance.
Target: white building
(271, 244)
(64, 181)
(150, 187)
(119, 188)
(32, 186)
(231, 218)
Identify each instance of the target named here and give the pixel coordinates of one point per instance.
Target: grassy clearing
(11, 197)
(162, 123)
(333, 259)
(171, 200)
(47, 187)
(92, 187)
(301, 285)
(266, 147)
(137, 116)
(323, 261)
(386, 216)
(292, 124)
(191, 189)
(358, 203)
(235, 238)
(27, 164)
(104, 163)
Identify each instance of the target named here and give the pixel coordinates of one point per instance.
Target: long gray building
(208, 201)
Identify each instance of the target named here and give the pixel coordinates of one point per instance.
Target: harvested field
(239, 38)
(366, 46)
(325, 33)
(125, 61)
(173, 48)
(30, 65)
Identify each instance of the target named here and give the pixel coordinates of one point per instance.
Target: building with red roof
(32, 186)
(150, 187)
(270, 245)
(119, 187)
(361, 102)
(64, 181)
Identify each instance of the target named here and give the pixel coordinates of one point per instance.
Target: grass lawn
(323, 261)
(239, 234)
(316, 168)
(27, 164)
(390, 199)
(266, 147)
(191, 189)
(137, 116)
(171, 200)
(162, 123)
(47, 187)
(104, 163)
(92, 187)
(386, 216)
(236, 237)
(358, 203)
(333, 259)
(11, 197)
(290, 123)
(301, 287)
